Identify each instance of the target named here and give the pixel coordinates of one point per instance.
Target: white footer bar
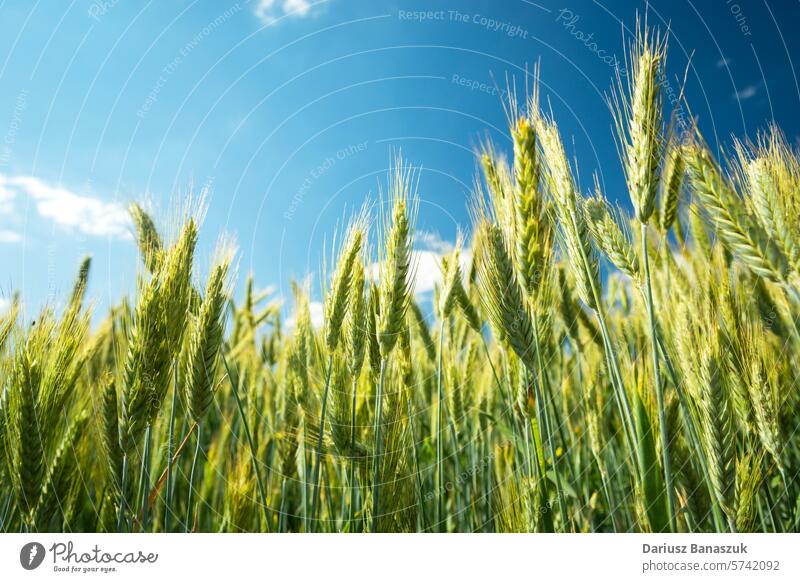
(385, 558)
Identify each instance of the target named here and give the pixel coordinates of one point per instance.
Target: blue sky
(287, 113)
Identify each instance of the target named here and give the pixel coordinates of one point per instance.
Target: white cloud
(298, 7)
(85, 214)
(432, 241)
(268, 11)
(9, 236)
(315, 308)
(6, 198)
(427, 271)
(317, 318)
(747, 93)
(426, 261)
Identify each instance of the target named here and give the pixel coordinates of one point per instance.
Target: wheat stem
(189, 525)
(144, 487)
(417, 473)
(123, 488)
(4, 518)
(315, 485)
(544, 420)
(439, 413)
(170, 448)
(694, 434)
(352, 477)
(662, 420)
(282, 508)
(376, 470)
(612, 361)
(507, 401)
(251, 445)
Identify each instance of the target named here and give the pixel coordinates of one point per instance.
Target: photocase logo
(31, 555)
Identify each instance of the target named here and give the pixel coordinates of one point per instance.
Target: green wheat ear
(109, 431)
(81, 282)
(300, 350)
(356, 320)
(531, 227)
(762, 391)
(737, 229)
(491, 175)
(27, 449)
(176, 287)
(672, 179)
(423, 330)
(62, 472)
(573, 315)
(8, 321)
(699, 233)
(150, 245)
(146, 349)
(468, 308)
(770, 173)
(612, 235)
(718, 432)
(451, 281)
(501, 295)
(205, 343)
(749, 477)
(340, 410)
(338, 297)
(639, 118)
(373, 343)
(568, 207)
(395, 272)
(157, 332)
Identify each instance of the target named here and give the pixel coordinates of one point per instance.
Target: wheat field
(586, 366)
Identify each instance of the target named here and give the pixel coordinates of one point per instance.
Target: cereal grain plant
(567, 377)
